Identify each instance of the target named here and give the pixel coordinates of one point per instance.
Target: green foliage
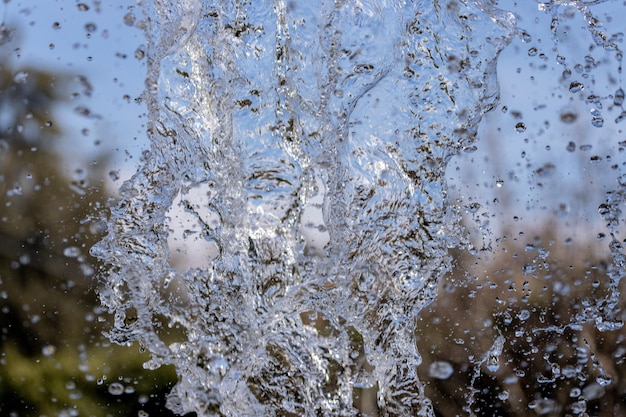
(82, 379)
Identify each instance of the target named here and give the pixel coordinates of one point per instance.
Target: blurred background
(530, 193)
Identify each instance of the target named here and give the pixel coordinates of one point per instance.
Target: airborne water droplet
(618, 99)
(440, 370)
(603, 380)
(129, 19)
(116, 388)
(520, 127)
(568, 117)
(48, 350)
(575, 87)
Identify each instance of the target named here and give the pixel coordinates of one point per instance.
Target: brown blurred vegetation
(533, 291)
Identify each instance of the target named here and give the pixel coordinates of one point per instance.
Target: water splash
(261, 115)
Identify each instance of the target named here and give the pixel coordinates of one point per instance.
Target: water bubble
(116, 388)
(440, 370)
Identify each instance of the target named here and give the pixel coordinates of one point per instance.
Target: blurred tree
(52, 354)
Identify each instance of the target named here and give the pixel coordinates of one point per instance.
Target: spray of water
(307, 143)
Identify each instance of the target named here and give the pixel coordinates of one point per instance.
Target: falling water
(306, 143)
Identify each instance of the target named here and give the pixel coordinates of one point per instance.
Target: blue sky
(99, 39)
(91, 39)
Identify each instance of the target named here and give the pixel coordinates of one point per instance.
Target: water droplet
(586, 147)
(568, 117)
(571, 147)
(593, 391)
(503, 395)
(523, 315)
(82, 7)
(520, 127)
(575, 87)
(56, 25)
(493, 363)
(71, 251)
(20, 77)
(48, 350)
(544, 406)
(363, 68)
(499, 183)
(597, 121)
(24, 259)
(129, 19)
(579, 407)
(618, 99)
(526, 37)
(532, 51)
(470, 149)
(114, 175)
(440, 370)
(140, 52)
(116, 388)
